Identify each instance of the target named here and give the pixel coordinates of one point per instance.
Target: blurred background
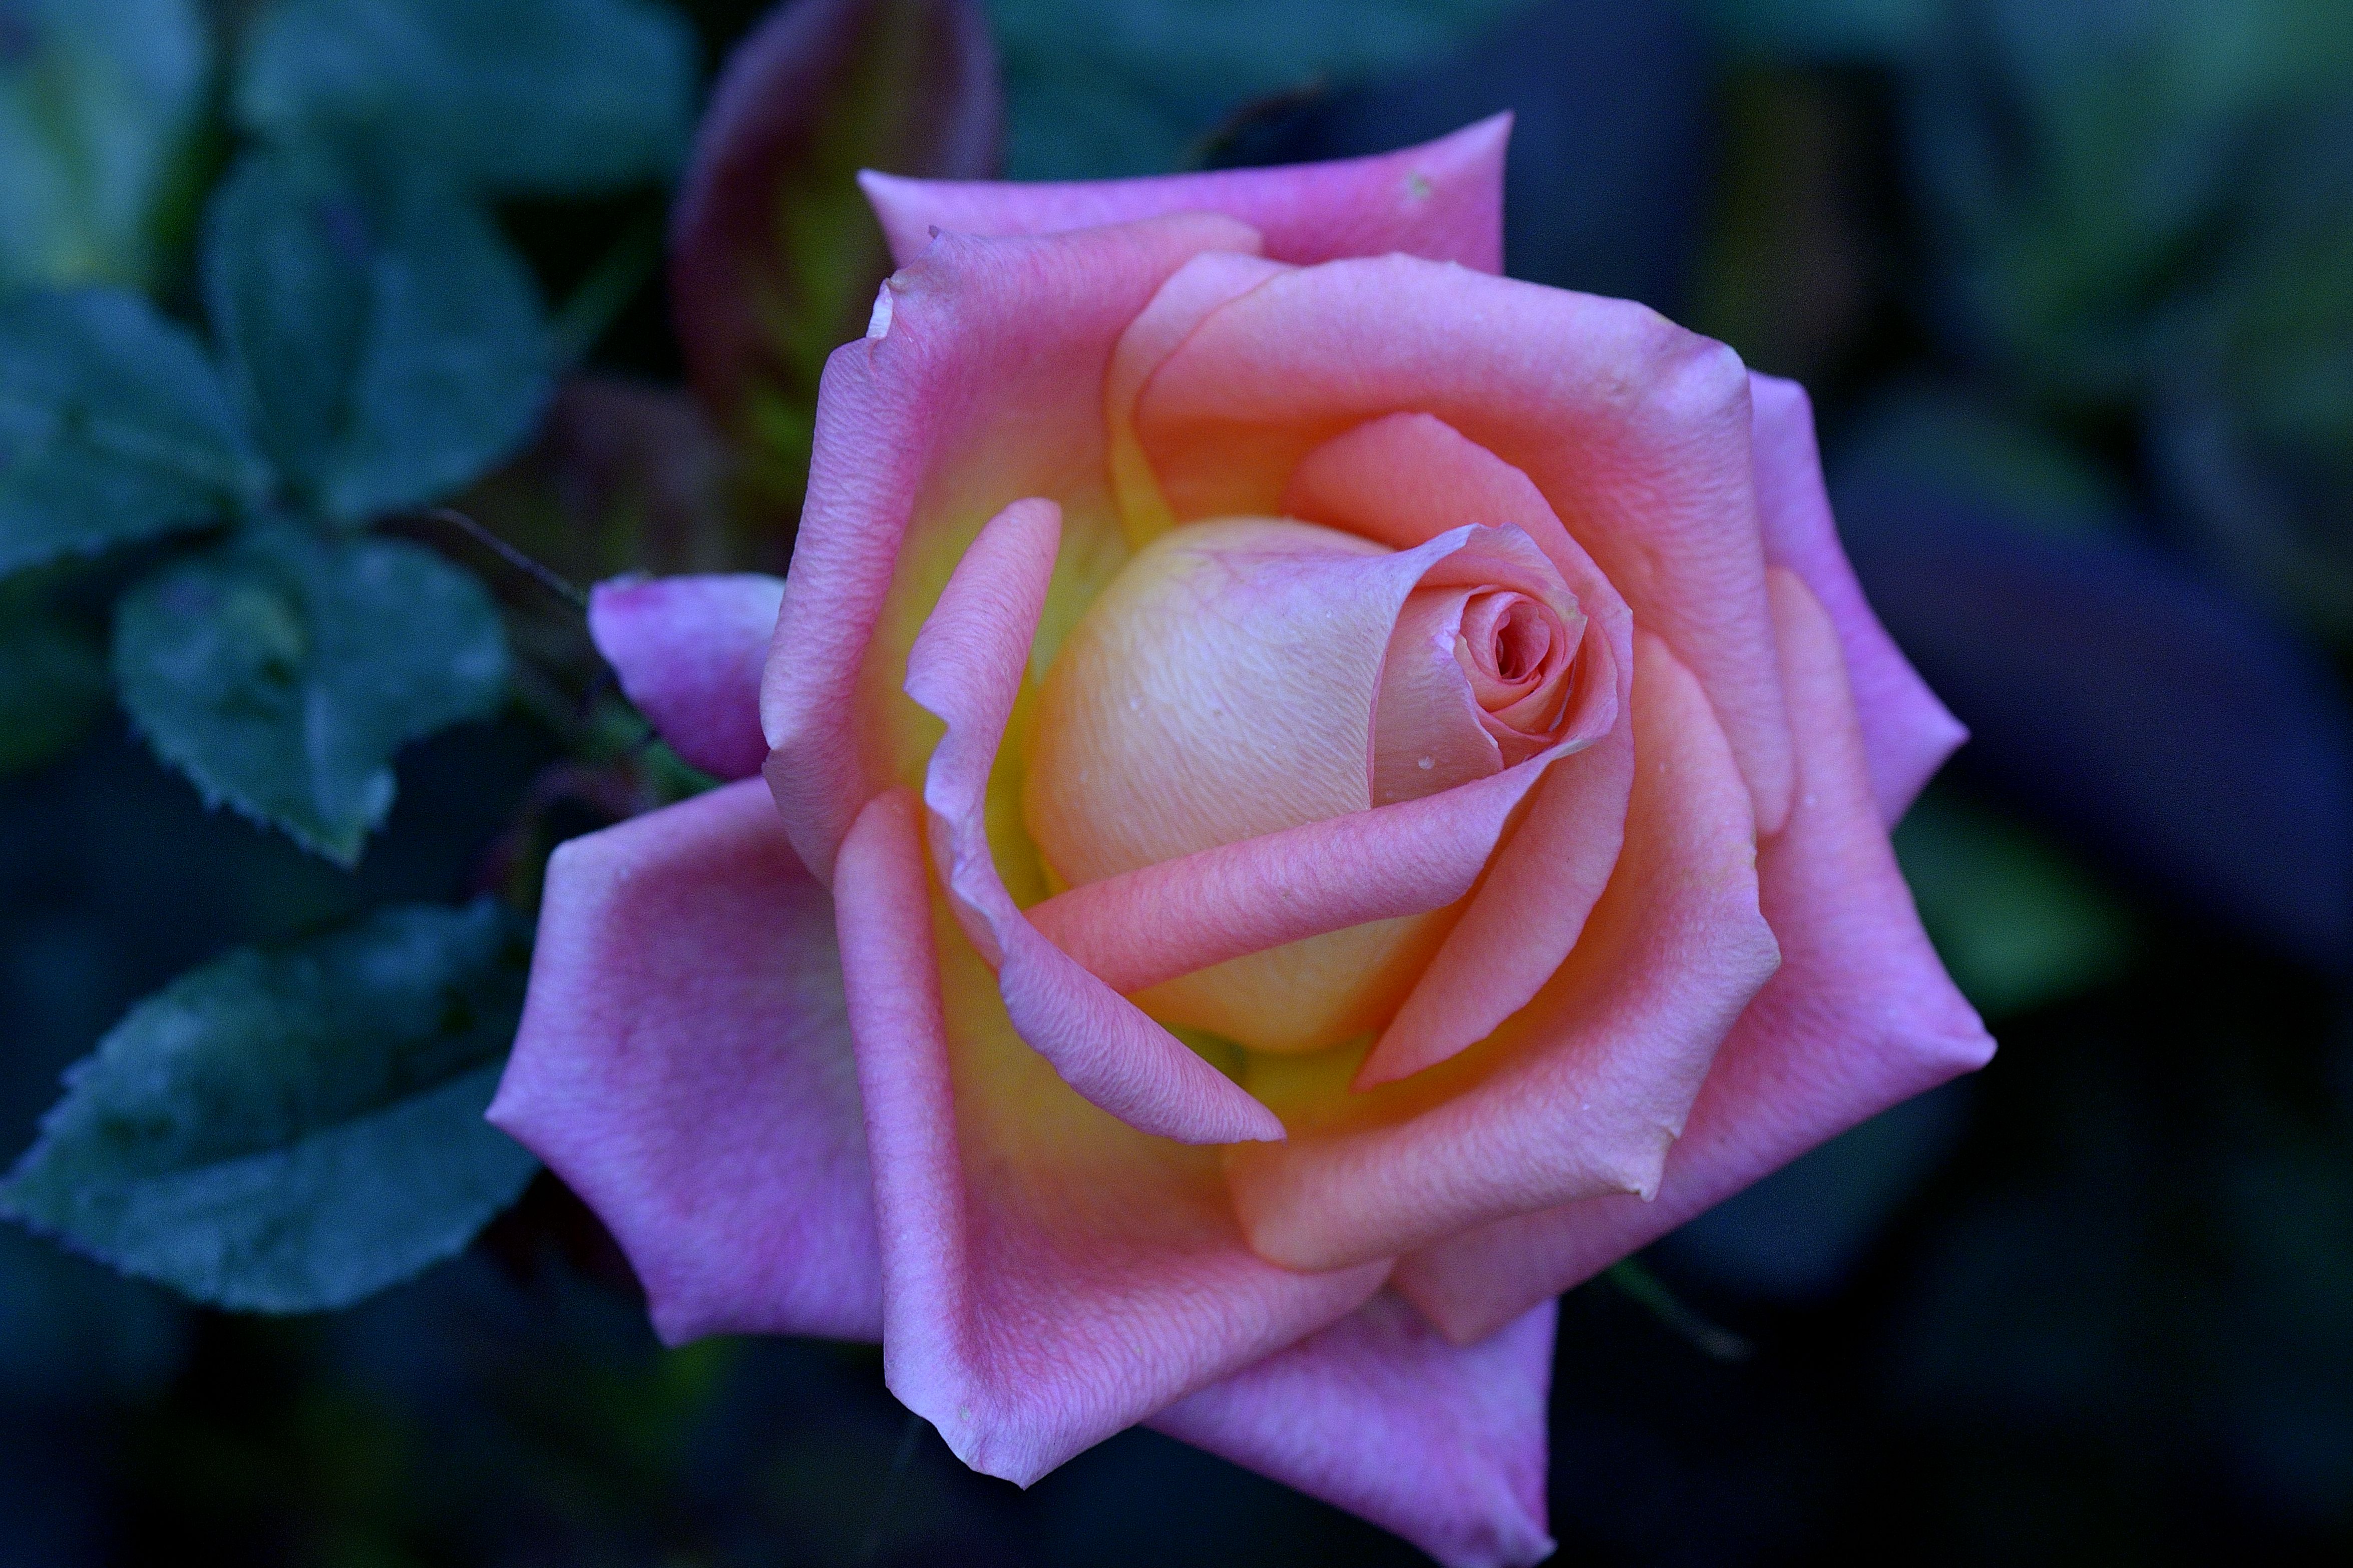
(2070, 282)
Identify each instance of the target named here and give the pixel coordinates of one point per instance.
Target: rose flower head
(1299, 798)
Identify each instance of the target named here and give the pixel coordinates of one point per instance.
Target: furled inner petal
(1476, 680)
(1252, 675)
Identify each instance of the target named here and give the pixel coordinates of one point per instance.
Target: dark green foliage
(113, 426)
(1102, 88)
(52, 675)
(386, 341)
(100, 103)
(282, 672)
(775, 255)
(294, 1130)
(512, 95)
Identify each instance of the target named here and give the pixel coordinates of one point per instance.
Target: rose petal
(1906, 732)
(1426, 729)
(1443, 200)
(1174, 917)
(1443, 1444)
(685, 1064)
(1523, 920)
(1223, 689)
(1401, 479)
(1202, 285)
(1860, 1016)
(1050, 1276)
(985, 387)
(1582, 1092)
(967, 667)
(689, 652)
(1635, 431)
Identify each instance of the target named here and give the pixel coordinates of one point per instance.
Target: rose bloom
(1315, 798)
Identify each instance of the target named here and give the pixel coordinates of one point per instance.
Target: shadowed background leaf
(295, 1130)
(2151, 716)
(101, 110)
(516, 97)
(281, 673)
(382, 335)
(113, 426)
(775, 258)
(1096, 88)
(1610, 161)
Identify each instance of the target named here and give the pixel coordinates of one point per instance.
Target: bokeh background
(2072, 284)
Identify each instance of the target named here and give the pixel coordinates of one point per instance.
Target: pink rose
(1316, 797)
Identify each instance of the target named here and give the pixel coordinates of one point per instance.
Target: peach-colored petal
(1211, 280)
(1220, 688)
(1441, 1444)
(1582, 1092)
(1174, 917)
(1524, 920)
(1860, 1016)
(1442, 200)
(1428, 733)
(1049, 1276)
(1223, 687)
(1401, 480)
(689, 651)
(685, 1064)
(1906, 732)
(1477, 678)
(984, 385)
(966, 668)
(1634, 431)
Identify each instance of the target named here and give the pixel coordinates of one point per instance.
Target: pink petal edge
(1443, 200)
(685, 1064)
(1399, 479)
(1443, 1444)
(688, 651)
(983, 387)
(1584, 1091)
(1860, 1016)
(1635, 432)
(1906, 732)
(966, 668)
(1050, 1276)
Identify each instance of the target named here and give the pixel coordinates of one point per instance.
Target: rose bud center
(1249, 675)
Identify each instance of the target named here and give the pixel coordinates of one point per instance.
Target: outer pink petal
(983, 385)
(1443, 1444)
(967, 667)
(1906, 732)
(1860, 1017)
(1634, 431)
(685, 1064)
(1443, 200)
(1582, 1092)
(1050, 1276)
(689, 652)
(1399, 479)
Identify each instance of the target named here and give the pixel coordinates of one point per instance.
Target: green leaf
(281, 673)
(2078, 162)
(102, 102)
(53, 682)
(2017, 921)
(386, 341)
(513, 96)
(293, 1131)
(1102, 88)
(774, 256)
(1874, 32)
(113, 426)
